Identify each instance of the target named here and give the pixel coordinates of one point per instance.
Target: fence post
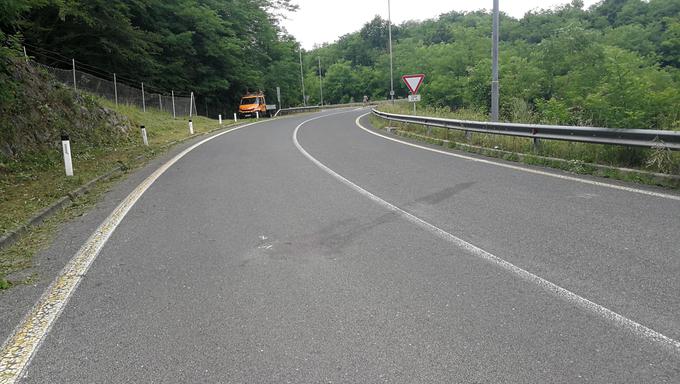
(143, 101)
(115, 88)
(144, 138)
(73, 61)
(174, 116)
(191, 127)
(66, 148)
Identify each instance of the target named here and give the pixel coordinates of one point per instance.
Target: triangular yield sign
(413, 82)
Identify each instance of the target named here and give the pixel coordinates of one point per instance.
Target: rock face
(36, 110)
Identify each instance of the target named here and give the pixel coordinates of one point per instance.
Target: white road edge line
(619, 321)
(518, 168)
(20, 347)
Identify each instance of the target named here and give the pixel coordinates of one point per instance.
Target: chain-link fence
(121, 93)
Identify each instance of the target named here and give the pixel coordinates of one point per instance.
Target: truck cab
(254, 104)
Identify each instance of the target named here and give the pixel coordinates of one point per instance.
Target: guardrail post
(537, 144)
(468, 136)
(429, 130)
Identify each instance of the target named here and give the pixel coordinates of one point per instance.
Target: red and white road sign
(413, 82)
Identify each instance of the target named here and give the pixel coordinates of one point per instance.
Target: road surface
(308, 250)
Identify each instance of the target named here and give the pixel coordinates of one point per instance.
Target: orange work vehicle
(253, 104)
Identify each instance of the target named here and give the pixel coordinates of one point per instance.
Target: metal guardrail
(649, 138)
(319, 107)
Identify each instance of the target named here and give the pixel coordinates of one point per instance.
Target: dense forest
(216, 48)
(615, 64)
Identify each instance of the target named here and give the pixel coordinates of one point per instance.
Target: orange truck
(254, 104)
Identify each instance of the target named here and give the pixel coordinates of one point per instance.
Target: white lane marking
(581, 302)
(518, 168)
(18, 350)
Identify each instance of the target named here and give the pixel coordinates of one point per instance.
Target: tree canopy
(615, 64)
(217, 48)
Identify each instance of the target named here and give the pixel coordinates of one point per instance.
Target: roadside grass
(18, 257)
(578, 155)
(34, 182)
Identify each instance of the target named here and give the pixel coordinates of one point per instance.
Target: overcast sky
(321, 21)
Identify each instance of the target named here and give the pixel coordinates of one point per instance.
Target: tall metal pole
(320, 82)
(494, 59)
(174, 115)
(115, 89)
(389, 31)
(302, 80)
(74, 74)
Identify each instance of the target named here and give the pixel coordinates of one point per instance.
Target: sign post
(413, 82)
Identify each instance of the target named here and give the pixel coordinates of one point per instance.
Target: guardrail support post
(468, 136)
(537, 144)
(429, 130)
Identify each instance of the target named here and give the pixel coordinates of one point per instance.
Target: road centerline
(586, 305)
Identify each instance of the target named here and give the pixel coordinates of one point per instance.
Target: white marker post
(235, 118)
(191, 127)
(144, 137)
(66, 147)
(160, 103)
(143, 100)
(257, 114)
(220, 117)
(174, 115)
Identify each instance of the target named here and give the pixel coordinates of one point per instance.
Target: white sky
(323, 21)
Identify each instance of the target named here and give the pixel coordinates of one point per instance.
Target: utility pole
(494, 59)
(389, 32)
(302, 80)
(320, 81)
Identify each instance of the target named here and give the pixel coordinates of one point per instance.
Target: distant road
(316, 252)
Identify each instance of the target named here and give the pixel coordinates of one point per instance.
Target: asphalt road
(245, 262)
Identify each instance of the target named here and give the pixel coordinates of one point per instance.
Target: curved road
(307, 250)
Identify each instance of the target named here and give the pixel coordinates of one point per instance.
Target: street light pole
(494, 59)
(389, 32)
(320, 82)
(302, 80)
